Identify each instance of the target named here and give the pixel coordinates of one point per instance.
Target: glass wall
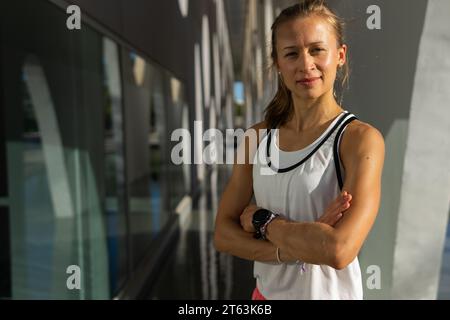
(53, 90)
(155, 186)
(86, 183)
(178, 175)
(114, 167)
(143, 195)
(5, 263)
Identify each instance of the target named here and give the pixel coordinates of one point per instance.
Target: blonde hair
(281, 107)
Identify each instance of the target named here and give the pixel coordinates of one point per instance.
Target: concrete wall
(382, 68)
(393, 87)
(424, 198)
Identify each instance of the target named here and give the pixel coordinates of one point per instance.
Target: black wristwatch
(259, 220)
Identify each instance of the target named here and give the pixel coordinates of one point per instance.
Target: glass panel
(178, 174)
(62, 101)
(3, 172)
(140, 138)
(156, 186)
(63, 154)
(5, 258)
(114, 168)
(43, 224)
(156, 139)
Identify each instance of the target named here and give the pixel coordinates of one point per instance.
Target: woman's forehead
(305, 31)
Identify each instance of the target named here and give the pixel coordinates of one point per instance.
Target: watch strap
(263, 229)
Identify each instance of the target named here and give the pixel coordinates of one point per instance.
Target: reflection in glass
(156, 186)
(37, 212)
(114, 168)
(156, 127)
(179, 175)
(143, 155)
(49, 206)
(71, 197)
(53, 118)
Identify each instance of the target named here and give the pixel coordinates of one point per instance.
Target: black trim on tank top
(336, 151)
(282, 170)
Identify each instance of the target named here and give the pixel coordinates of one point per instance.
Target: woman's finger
(344, 197)
(345, 206)
(338, 217)
(334, 205)
(341, 203)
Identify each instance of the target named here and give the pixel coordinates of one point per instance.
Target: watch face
(260, 217)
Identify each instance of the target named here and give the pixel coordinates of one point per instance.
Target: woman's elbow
(340, 263)
(342, 255)
(219, 241)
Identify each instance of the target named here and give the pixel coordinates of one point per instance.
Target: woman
(305, 232)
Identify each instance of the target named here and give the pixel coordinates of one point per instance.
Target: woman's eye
(290, 54)
(317, 49)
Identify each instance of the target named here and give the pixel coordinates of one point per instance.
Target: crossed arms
(333, 240)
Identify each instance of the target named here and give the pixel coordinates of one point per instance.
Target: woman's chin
(307, 95)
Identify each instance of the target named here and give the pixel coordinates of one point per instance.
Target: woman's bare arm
(362, 154)
(231, 237)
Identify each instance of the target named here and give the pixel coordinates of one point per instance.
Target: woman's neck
(310, 114)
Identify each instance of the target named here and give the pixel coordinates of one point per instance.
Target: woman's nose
(305, 62)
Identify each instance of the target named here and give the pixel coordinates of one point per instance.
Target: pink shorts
(256, 295)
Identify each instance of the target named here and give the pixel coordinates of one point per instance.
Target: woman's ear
(342, 55)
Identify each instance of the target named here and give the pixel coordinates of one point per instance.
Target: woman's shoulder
(361, 134)
(258, 128)
(359, 129)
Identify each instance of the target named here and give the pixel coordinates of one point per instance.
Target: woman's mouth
(308, 82)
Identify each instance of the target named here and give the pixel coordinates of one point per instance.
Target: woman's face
(308, 56)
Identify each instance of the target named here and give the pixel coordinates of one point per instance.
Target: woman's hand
(247, 217)
(334, 212)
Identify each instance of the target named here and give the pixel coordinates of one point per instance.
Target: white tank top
(300, 185)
